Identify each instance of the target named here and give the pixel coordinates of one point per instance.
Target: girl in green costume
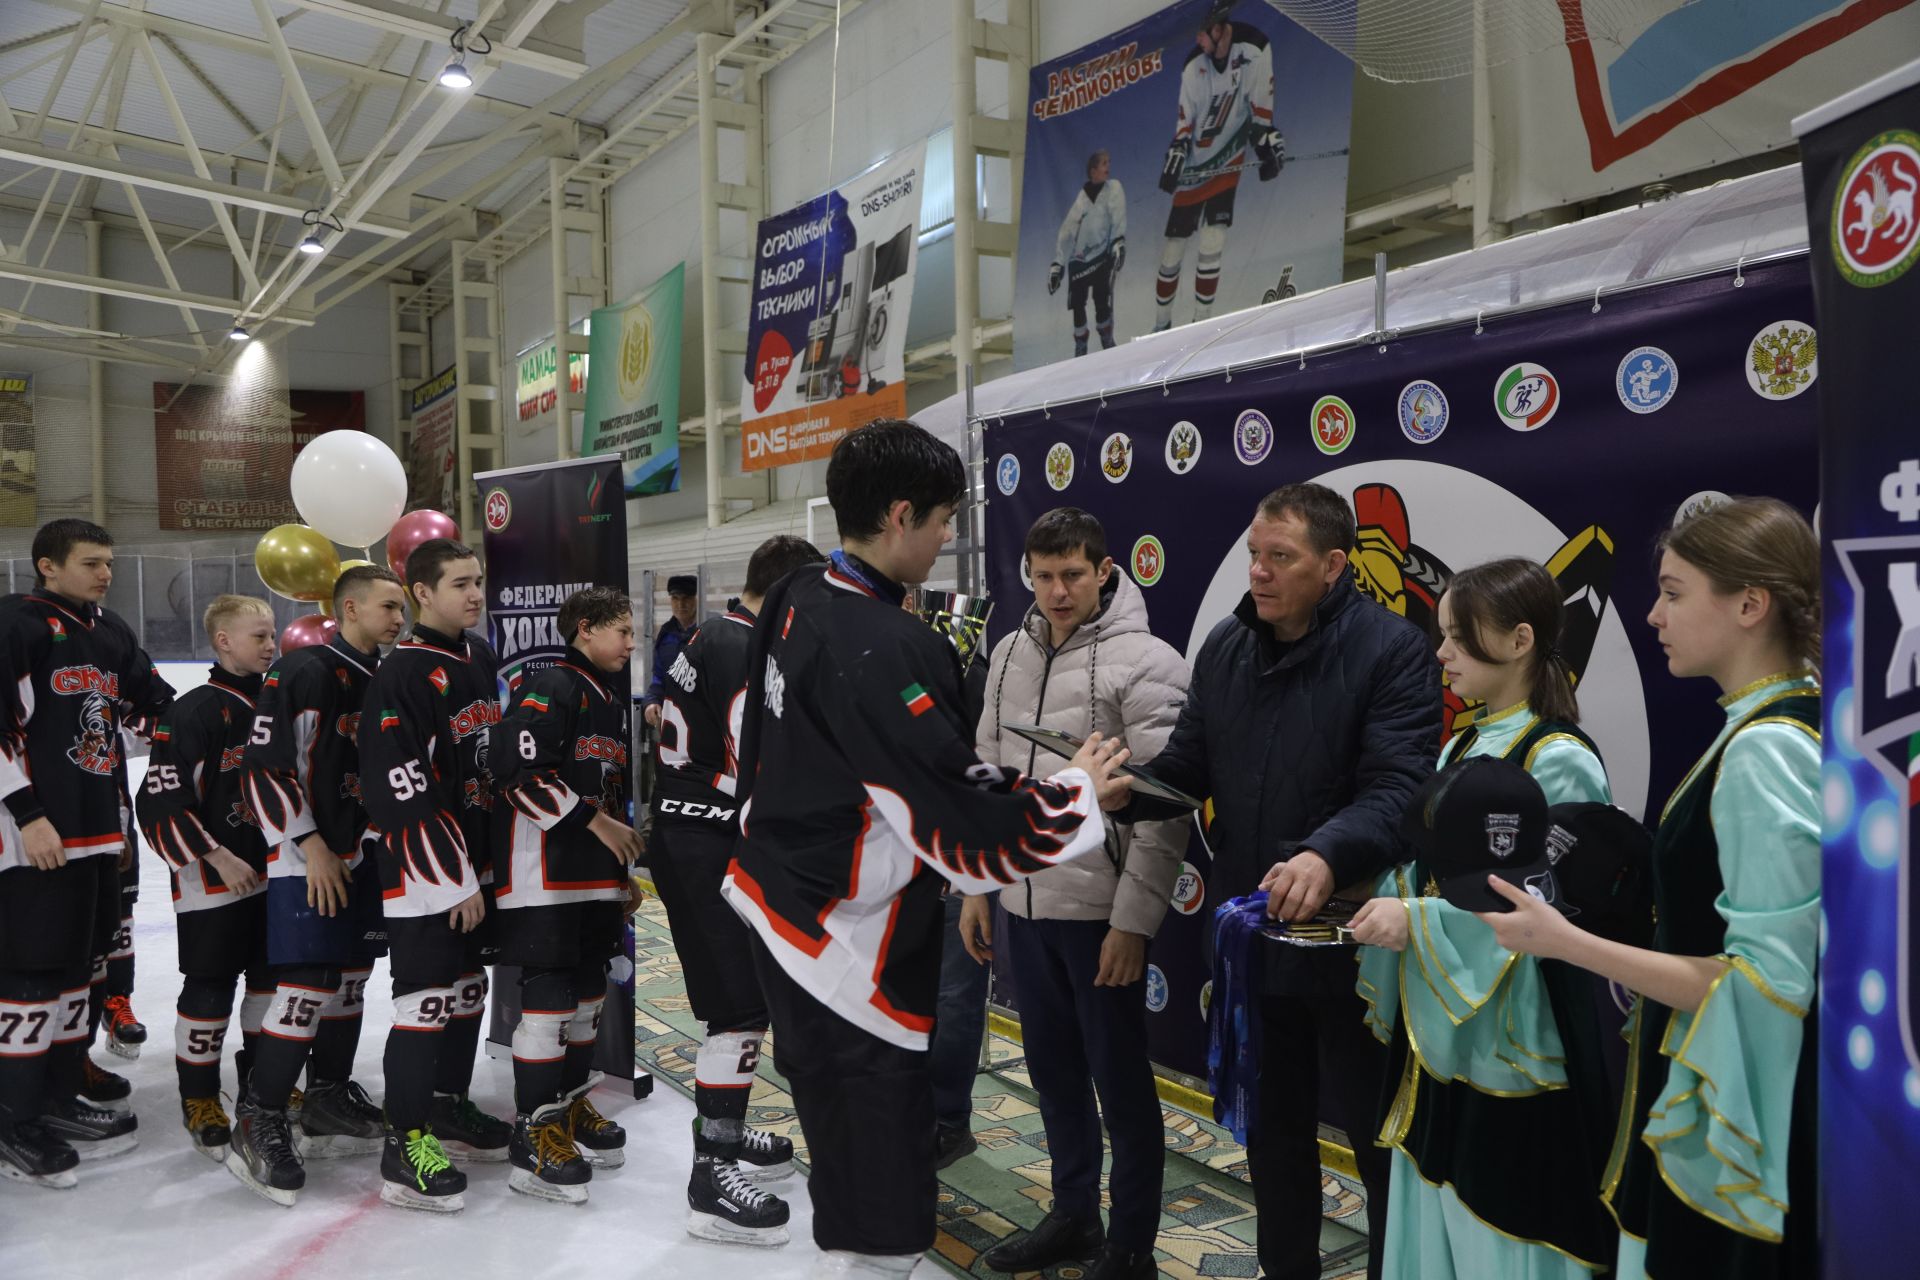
(1712, 1171)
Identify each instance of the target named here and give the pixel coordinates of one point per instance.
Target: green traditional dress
(1499, 1113)
(1716, 1138)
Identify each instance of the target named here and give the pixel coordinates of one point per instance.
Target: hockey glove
(1271, 148)
(1119, 254)
(1055, 274)
(1176, 163)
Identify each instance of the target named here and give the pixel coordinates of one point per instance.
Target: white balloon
(349, 486)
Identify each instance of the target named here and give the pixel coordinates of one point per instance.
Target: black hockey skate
(416, 1174)
(766, 1157)
(723, 1204)
(125, 1033)
(28, 1153)
(546, 1164)
(466, 1132)
(601, 1142)
(208, 1126)
(92, 1131)
(338, 1119)
(103, 1088)
(262, 1154)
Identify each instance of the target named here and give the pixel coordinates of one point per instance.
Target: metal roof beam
(59, 80)
(302, 101)
(435, 28)
(229, 307)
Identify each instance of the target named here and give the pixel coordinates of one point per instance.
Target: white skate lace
(736, 1187)
(758, 1141)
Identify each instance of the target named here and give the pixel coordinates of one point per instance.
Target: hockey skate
(208, 1126)
(766, 1157)
(103, 1088)
(94, 1132)
(28, 1153)
(546, 1164)
(466, 1132)
(416, 1174)
(601, 1142)
(125, 1033)
(338, 1119)
(723, 1204)
(261, 1153)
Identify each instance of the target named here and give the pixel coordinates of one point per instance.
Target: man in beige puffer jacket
(1082, 660)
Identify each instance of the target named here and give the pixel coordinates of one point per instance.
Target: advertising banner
(1567, 435)
(214, 443)
(633, 407)
(536, 385)
(1183, 167)
(433, 407)
(827, 333)
(18, 473)
(1862, 167)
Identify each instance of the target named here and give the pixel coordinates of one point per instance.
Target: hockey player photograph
(1092, 249)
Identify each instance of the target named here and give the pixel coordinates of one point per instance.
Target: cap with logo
(1478, 816)
(1602, 871)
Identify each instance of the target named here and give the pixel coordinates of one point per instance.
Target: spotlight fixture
(316, 222)
(239, 332)
(454, 74)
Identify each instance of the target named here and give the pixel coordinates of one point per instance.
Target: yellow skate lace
(426, 1156)
(203, 1113)
(552, 1143)
(583, 1116)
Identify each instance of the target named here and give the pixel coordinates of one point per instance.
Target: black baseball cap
(683, 584)
(1480, 816)
(1602, 871)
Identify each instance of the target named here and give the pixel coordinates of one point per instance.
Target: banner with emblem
(550, 530)
(633, 404)
(1861, 159)
(18, 482)
(1572, 435)
(431, 409)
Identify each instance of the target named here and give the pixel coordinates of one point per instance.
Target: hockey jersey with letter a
(562, 758)
(699, 751)
(1222, 109)
(192, 801)
(303, 756)
(863, 791)
(79, 677)
(425, 734)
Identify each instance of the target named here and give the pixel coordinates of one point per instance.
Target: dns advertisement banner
(1569, 436)
(1178, 169)
(633, 405)
(433, 407)
(18, 484)
(1860, 175)
(827, 333)
(212, 445)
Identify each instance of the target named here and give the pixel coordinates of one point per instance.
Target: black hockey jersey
(705, 695)
(303, 756)
(192, 801)
(79, 675)
(860, 783)
(562, 758)
(425, 777)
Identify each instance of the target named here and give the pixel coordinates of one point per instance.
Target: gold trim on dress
(1778, 677)
(1549, 740)
(1725, 736)
(1497, 716)
(1629, 1102)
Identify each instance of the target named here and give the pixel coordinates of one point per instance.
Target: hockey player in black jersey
(695, 825)
(301, 775)
(192, 813)
(561, 889)
(74, 674)
(860, 791)
(424, 754)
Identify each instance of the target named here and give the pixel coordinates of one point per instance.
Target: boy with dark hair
(561, 890)
(301, 767)
(424, 747)
(76, 675)
(694, 829)
(858, 757)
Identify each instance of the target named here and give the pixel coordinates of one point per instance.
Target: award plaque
(1065, 744)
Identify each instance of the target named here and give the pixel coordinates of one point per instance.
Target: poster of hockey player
(1204, 148)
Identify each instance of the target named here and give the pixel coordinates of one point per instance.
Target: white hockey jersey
(1097, 219)
(1221, 109)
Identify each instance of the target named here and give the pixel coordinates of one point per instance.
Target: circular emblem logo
(1206, 998)
(1007, 474)
(1059, 466)
(1875, 233)
(1783, 360)
(636, 352)
(1252, 437)
(1189, 890)
(1526, 397)
(1423, 411)
(1156, 989)
(1646, 379)
(1705, 500)
(1149, 560)
(1183, 448)
(498, 509)
(1333, 424)
(1116, 457)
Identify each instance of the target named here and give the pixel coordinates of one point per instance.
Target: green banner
(633, 386)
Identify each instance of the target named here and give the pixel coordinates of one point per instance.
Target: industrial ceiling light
(316, 222)
(239, 332)
(454, 74)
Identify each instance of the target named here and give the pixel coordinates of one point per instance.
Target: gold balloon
(297, 562)
(326, 601)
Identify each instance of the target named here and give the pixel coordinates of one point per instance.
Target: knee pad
(470, 995)
(541, 1035)
(29, 1013)
(293, 1012)
(584, 1026)
(423, 1008)
(350, 1001)
(727, 1059)
(1173, 251)
(1213, 241)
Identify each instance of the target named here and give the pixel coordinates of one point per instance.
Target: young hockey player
(1226, 104)
(324, 928)
(192, 812)
(560, 888)
(76, 673)
(424, 746)
(1091, 251)
(695, 827)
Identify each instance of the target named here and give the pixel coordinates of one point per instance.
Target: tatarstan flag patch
(918, 700)
(536, 701)
(272, 681)
(389, 719)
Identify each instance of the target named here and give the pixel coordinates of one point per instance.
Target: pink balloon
(313, 628)
(412, 529)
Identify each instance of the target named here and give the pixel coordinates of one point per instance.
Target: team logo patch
(1189, 890)
(1007, 474)
(537, 702)
(1183, 448)
(1333, 424)
(272, 681)
(918, 700)
(1783, 360)
(1503, 834)
(1875, 234)
(438, 679)
(1156, 989)
(58, 628)
(1206, 998)
(1149, 560)
(1116, 457)
(1423, 411)
(1526, 397)
(389, 719)
(1646, 379)
(1059, 466)
(1252, 437)
(498, 509)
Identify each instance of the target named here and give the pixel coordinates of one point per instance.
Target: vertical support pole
(1485, 229)
(193, 601)
(706, 47)
(463, 407)
(966, 196)
(96, 388)
(140, 596)
(1379, 297)
(563, 359)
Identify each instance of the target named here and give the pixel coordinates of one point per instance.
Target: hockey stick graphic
(1211, 174)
